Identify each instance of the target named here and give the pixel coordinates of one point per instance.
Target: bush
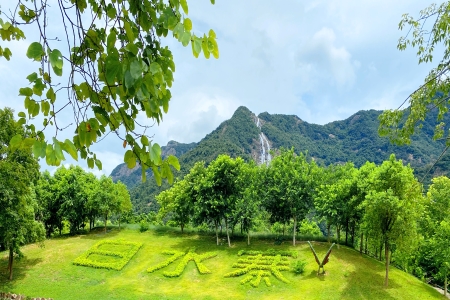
(309, 228)
(143, 226)
(298, 267)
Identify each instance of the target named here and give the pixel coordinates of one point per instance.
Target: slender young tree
(392, 206)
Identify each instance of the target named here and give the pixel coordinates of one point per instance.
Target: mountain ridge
(250, 136)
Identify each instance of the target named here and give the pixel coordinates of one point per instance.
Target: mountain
(253, 137)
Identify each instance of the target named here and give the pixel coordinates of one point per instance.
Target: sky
(319, 60)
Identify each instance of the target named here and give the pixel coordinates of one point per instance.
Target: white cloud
(327, 60)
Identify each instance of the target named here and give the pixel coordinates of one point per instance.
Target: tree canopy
(427, 33)
(110, 66)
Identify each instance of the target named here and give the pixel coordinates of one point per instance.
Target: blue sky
(320, 60)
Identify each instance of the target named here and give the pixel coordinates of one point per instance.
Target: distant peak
(242, 109)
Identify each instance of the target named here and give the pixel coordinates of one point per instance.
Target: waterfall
(265, 156)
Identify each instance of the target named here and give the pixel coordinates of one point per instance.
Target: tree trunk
(386, 254)
(361, 242)
(338, 228)
(284, 228)
(381, 251)
(119, 221)
(106, 220)
(228, 235)
(295, 227)
(365, 248)
(182, 227)
(328, 233)
(217, 233)
(248, 237)
(445, 285)
(346, 233)
(10, 263)
(353, 235)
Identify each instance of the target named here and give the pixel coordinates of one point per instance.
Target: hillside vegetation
(49, 272)
(355, 139)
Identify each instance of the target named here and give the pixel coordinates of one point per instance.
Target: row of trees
(34, 205)
(78, 197)
(378, 207)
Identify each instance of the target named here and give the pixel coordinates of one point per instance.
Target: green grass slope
(49, 272)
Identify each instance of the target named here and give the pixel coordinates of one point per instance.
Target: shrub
(143, 226)
(298, 267)
(309, 228)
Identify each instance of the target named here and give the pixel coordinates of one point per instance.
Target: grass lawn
(49, 272)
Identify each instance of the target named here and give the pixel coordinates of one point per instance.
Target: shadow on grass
(364, 281)
(20, 268)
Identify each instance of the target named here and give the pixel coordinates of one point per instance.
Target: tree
(118, 68)
(49, 206)
(334, 201)
(105, 199)
(222, 189)
(18, 171)
(392, 206)
(177, 202)
(123, 196)
(290, 188)
(427, 32)
(248, 205)
(441, 251)
(72, 188)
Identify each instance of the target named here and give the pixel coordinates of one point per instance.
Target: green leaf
(90, 162)
(70, 148)
(187, 24)
(155, 68)
(32, 77)
(157, 175)
(15, 142)
(98, 163)
(129, 31)
(155, 153)
(144, 140)
(186, 38)
(205, 47)
(27, 143)
(129, 159)
(111, 40)
(196, 46)
(173, 21)
(112, 68)
(56, 61)
(51, 95)
(213, 1)
(35, 51)
(136, 69)
(173, 161)
(50, 157)
(26, 92)
(58, 150)
(22, 114)
(184, 5)
(39, 148)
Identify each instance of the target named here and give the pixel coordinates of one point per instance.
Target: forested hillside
(355, 139)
